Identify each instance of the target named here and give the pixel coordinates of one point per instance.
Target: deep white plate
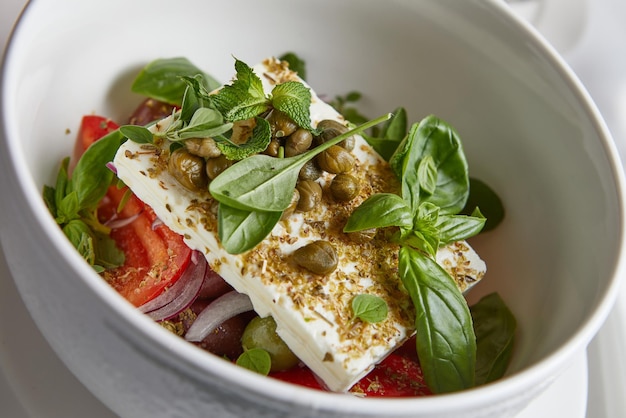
(35, 383)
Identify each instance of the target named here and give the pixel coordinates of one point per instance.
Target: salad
(259, 223)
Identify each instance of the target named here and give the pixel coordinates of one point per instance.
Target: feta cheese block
(313, 313)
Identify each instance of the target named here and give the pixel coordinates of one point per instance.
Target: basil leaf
(293, 99)
(455, 227)
(296, 63)
(256, 359)
(137, 134)
(369, 308)
(161, 79)
(241, 230)
(49, 194)
(434, 138)
(392, 134)
(423, 241)
(481, 195)
(260, 139)
(495, 327)
(91, 176)
(379, 211)
(107, 254)
(80, 236)
(68, 208)
(446, 344)
(264, 183)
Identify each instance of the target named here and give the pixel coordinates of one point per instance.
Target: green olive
(331, 129)
(298, 142)
(188, 169)
(318, 257)
(310, 171)
(261, 333)
(344, 187)
(335, 160)
(310, 195)
(281, 124)
(203, 147)
(215, 166)
(363, 236)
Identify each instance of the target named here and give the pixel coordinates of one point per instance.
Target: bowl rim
(195, 358)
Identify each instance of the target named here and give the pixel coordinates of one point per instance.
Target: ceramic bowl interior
(528, 128)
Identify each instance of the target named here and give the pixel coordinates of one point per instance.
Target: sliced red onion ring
(221, 309)
(114, 222)
(178, 297)
(111, 167)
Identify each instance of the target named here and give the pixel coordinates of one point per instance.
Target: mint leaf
(294, 99)
(244, 98)
(369, 308)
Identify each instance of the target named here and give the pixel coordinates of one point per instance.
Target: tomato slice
(155, 255)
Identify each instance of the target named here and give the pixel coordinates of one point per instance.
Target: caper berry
(310, 171)
(188, 169)
(261, 333)
(318, 257)
(203, 147)
(363, 236)
(310, 195)
(298, 142)
(281, 124)
(331, 129)
(215, 166)
(335, 160)
(344, 187)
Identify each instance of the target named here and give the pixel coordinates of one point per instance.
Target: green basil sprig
(431, 166)
(74, 201)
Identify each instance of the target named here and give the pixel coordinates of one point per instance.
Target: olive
(318, 257)
(309, 171)
(215, 166)
(298, 142)
(273, 148)
(150, 110)
(281, 124)
(188, 169)
(363, 236)
(292, 205)
(242, 130)
(344, 187)
(335, 160)
(310, 195)
(261, 333)
(331, 129)
(203, 147)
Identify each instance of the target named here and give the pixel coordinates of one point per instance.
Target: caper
(261, 333)
(331, 129)
(281, 124)
(310, 171)
(273, 148)
(344, 187)
(188, 169)
(203, 147)
(242, 130)
(215, 166)
(292, 205)
(318, 257)
(298, 142)
(335, 160)
(362, 236)
(310, 195)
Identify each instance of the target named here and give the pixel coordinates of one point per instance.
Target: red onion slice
(178, 297)
(221, 309)
(114, 222)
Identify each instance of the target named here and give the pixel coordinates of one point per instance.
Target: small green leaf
(137, 134)
(481, 195)
(495, 327)
(256, 359)
(162, 79)
(81, 237)
(68, 208)
(379, 211)
(107, 254)
(459, 227)
(427, 174)
(369, 308)
(391, 135)
(205, 123)
(241, 230)
(293, 99)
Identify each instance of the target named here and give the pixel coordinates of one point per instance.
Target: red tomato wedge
(155, 255)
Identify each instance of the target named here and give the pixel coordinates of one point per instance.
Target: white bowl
(529, 130)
